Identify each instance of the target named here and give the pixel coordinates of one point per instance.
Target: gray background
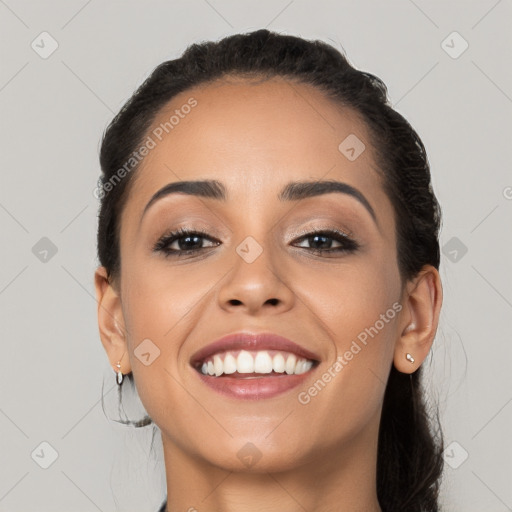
(53, 112)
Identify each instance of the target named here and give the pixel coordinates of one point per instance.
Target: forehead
(265, 119)
(254, 136)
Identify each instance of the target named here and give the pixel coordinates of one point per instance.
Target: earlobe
(419, 321)
(111, 321)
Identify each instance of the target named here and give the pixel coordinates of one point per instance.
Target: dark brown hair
(409, 459)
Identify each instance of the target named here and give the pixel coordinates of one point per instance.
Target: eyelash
(349, 244)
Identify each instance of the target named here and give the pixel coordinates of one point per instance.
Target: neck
(333, 480)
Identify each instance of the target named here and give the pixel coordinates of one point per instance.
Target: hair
(410, 443)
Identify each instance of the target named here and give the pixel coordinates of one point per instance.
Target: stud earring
(409, 357)
(119, 375)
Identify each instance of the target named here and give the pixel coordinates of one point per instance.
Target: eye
(188, 242)
(322, 240)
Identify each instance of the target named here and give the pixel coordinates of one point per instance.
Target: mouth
(250, 364)
(253, 366)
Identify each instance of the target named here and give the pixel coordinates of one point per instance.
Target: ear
(418, 325)
(111, 321)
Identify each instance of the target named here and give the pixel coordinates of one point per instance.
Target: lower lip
(255, 388)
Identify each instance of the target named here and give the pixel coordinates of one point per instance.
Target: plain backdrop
(66, 69)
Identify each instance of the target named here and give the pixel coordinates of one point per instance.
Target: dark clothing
(162, 508)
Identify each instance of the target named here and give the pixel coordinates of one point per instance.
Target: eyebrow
(292, 191)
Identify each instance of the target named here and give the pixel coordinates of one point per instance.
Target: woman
(268, 240)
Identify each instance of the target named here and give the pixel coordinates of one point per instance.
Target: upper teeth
(255, 362)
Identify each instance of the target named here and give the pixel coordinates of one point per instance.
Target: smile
(255, 363)
(253, 366)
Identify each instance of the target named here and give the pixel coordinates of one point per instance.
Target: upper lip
(252, 341)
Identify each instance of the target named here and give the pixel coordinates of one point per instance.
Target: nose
(257, 282)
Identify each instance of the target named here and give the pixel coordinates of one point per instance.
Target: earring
(119, 375)
(409, 357)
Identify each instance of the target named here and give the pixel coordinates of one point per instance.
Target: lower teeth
(240, 376)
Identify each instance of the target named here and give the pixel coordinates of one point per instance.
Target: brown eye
(188, 242)
(322, 241)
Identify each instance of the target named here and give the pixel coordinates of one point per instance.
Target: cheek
(358, 309)
(159, 296)
(351, 297)
(161, 306)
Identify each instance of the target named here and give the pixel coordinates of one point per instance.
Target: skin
(255, 137)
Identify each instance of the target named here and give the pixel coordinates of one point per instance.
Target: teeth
(303, 366)
(245, 362)
(255, 362)
(229, 364)
(290, 364)
(278, 363)
(262, 363)
(218, 365)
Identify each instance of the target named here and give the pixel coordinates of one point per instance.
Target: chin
(254, 456)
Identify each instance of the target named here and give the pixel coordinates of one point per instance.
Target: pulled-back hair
(409, 458)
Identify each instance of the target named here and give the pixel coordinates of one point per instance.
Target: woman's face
(257, 271)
